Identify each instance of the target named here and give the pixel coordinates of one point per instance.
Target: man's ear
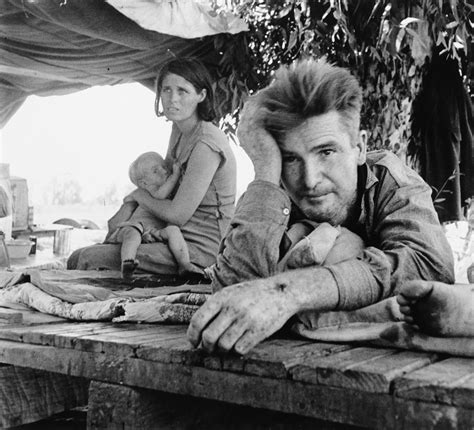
(362, 145)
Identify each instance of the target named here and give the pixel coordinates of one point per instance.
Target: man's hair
(195, 73)
(135, 171)
(309, 88)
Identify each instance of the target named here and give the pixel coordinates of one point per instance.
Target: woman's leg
(100, 256)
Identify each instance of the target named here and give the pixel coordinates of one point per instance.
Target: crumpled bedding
(99, 296)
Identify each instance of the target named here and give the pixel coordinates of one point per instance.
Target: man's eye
(327, 152)
(289, 159)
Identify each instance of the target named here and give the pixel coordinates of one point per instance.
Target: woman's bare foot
(439, 309)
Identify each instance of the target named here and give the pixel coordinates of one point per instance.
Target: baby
(151, 173)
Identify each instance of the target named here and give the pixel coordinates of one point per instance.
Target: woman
(204, 200)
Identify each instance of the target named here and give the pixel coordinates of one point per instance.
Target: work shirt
(397, 221)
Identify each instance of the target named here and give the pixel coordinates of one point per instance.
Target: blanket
(103, 296)
(99, 296)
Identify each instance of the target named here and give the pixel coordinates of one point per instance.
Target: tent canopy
(53, 47)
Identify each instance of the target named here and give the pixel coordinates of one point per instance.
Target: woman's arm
(202, 166)
(165, 190)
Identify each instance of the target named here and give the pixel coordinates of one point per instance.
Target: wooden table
(131, 366)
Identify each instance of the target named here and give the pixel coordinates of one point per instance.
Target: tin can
(62, 241)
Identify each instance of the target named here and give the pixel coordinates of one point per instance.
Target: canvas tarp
(53, 47)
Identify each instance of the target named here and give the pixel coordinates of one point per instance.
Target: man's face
(319, 169)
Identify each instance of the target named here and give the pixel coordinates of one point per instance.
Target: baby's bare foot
(439, 309)
(128, 268)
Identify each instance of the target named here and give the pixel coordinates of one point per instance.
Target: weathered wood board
(360, 386)
(28, 395)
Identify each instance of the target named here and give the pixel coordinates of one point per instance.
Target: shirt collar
(371, 179)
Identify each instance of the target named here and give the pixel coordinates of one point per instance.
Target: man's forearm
(251, 247)
(311, 288)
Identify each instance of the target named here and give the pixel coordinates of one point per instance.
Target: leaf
(399, 39)
(292, 41)
(285, 11)
(408, 21)
(452, 24)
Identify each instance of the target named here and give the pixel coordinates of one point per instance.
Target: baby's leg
(439, 309)
(179, 249)
(131, 239)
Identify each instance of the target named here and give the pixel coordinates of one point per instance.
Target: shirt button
(286, 211)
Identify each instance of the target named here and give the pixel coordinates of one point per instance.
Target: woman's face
(179, 98)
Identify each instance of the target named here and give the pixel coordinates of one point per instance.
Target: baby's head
(149, 170)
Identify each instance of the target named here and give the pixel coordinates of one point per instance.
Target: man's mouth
(314, 196)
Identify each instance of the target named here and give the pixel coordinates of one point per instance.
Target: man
(302, 134)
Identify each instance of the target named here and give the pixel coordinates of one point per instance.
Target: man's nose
(312, 175)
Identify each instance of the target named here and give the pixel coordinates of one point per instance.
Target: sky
(90, 136)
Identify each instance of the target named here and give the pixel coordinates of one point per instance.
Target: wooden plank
(123, 342)
(273, 358)
(450, 381)
(176, 350)
(44, 333)
(63, 335)
(29, 395)
(428, 416)
(30, 317)
(16, 333)
(74, 338)
(49, 335)
(365, 369)
(322, 402)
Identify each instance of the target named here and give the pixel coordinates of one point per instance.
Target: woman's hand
(260, 146)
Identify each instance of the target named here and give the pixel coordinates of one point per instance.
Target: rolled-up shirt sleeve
(406, 241)
(251, 248)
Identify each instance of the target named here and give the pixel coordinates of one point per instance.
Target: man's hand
(242, 315)
(258, 143)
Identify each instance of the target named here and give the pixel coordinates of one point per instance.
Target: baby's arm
(165, 190)
(325, 245)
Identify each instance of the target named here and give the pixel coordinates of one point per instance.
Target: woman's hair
(309, 88)
(136, 172)
(194, 72)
